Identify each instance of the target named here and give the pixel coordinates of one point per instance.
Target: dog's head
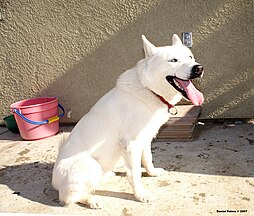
(169, 71)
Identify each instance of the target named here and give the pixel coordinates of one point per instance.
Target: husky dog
(122, 124)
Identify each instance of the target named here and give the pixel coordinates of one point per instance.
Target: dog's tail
(63, 137)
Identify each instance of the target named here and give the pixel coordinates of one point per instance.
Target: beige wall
(75, 50)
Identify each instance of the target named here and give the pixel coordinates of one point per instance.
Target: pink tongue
(195, 96)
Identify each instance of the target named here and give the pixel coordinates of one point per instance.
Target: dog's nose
(196, 71)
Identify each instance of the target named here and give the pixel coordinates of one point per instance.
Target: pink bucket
(37, 118)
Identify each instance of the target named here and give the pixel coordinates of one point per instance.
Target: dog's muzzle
(197, 71)
(186, 87)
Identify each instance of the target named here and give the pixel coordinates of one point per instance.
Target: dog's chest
(153, 125)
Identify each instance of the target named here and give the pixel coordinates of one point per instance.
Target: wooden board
(182, 126)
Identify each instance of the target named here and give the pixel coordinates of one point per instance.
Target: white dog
(122, 124)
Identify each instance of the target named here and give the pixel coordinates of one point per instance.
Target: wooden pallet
(182, 126)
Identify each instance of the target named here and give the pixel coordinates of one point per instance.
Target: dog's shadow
(32, 181)
(115, 194)
(119, 195)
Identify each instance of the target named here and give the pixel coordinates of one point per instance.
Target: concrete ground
(212, 175)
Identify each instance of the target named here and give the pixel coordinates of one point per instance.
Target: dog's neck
(130, 80)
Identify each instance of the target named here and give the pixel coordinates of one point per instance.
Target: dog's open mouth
(187, 89)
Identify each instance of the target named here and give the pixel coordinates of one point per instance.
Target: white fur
(120, 125)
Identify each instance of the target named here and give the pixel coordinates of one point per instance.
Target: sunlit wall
(75, 50)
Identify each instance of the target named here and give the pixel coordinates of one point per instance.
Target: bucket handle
(47, 121)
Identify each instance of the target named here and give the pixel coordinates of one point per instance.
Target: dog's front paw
(157, 172)
(143, 196)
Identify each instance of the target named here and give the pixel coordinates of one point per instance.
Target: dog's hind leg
(108, 175)
(91, 202)
(147, 162)
(80, 178)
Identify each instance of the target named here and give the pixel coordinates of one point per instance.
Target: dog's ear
(149, 48)
(176, 40)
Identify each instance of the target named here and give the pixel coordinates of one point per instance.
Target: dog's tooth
(178, 85)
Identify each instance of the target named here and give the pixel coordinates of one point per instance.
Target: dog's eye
(173, 60)
(191, 57)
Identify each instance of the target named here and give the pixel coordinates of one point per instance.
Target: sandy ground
(212, 175)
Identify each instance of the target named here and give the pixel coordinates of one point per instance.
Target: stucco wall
(75, 50)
